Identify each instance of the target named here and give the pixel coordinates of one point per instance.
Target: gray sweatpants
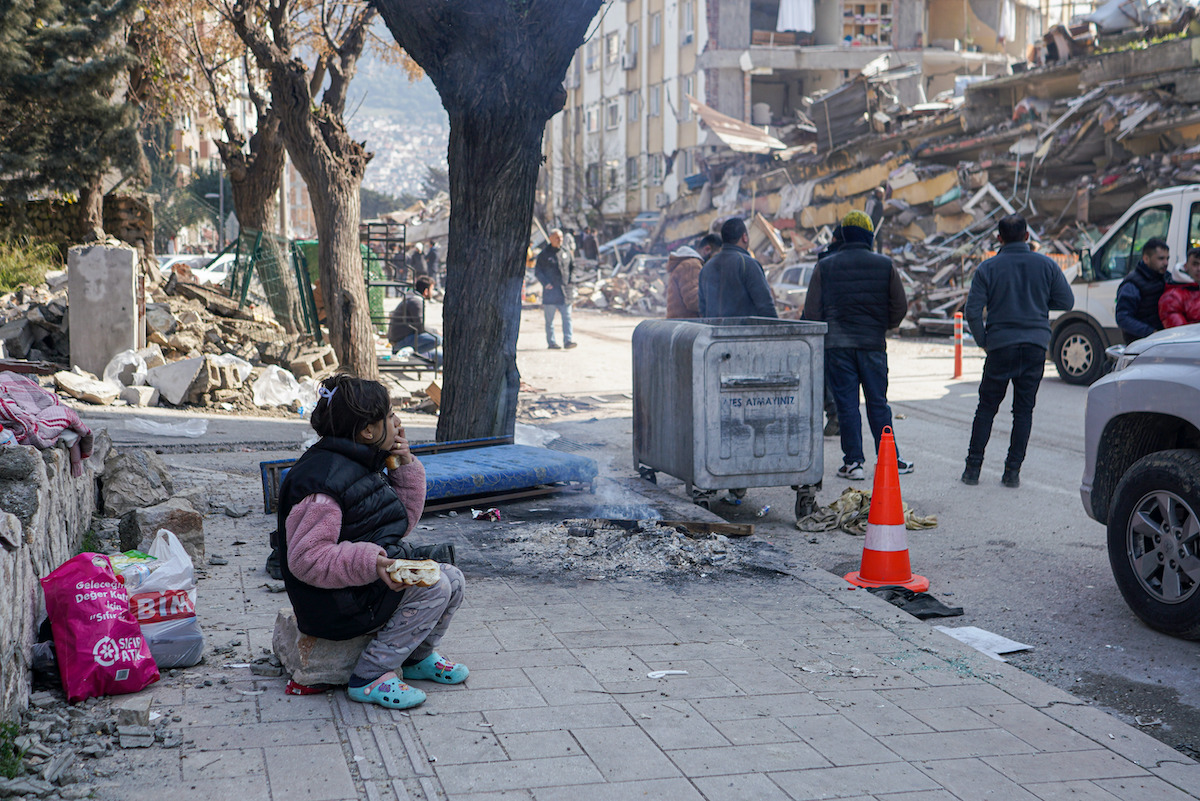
(415, 628)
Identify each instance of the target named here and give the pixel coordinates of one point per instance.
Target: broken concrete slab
(927, 190)
(134, 710)
(159, 318)
(89, 390)
(177, 515)
(134, 479)
(152, 355)
(174, 380)
(311, 660)
(102, 288)
(856, 182)
(140, 396)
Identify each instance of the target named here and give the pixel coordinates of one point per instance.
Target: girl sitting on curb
(344, 522)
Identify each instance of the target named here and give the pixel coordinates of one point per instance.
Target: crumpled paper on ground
(849, 513)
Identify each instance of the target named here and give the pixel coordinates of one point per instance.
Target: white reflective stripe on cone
(886, 537)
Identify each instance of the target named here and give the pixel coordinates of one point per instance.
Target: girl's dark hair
(346, 405)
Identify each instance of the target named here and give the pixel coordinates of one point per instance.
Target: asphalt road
(1026, 563)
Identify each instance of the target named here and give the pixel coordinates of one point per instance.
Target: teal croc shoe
(389, 691)
(437, 668)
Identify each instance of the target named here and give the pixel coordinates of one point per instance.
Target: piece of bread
(415, 572)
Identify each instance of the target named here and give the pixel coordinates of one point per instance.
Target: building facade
(627, 140)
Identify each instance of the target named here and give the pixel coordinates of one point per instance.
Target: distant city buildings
(627, 141)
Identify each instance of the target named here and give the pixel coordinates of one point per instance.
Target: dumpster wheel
(806, 499)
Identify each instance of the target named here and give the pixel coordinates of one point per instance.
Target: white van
(1078, 337)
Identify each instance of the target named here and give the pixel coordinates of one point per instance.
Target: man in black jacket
(732, 283)
(860, 295)
(555, 269)
(1138, 294)
(406, 326)
(1018, 288)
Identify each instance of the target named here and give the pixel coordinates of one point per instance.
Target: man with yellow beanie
(858, 293)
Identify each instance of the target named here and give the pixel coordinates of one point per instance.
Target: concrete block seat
(457, 473)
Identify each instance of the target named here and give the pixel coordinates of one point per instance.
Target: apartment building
(627, 140)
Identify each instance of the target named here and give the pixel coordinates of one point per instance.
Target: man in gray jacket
(555, 270)
(732, 283)
(1018, 288)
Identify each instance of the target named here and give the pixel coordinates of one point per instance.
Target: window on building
(688, 162)
(656, 29)
(656, 169)
(613, 168)
(592, 121)
(687, 86)
(632, 41)
(689, 21)
(592, 178)
(654, 104)
(592, 55)
(633, 106)
(612, 114)
(612, 48)
(578, 119)
(631, 171)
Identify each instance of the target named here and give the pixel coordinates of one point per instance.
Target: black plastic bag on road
(920, 605)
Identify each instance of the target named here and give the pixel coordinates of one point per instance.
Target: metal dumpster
(730, 403)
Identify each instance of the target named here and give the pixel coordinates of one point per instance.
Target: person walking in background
(1180, 301)
(1139, 292)
(859, 295)
(554, 270)
(732, 283)
(1017, 288)
(432, 263)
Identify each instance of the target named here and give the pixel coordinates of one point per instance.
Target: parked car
(216, 271)
(1080, 337)
(1141, 476)
(792, 286)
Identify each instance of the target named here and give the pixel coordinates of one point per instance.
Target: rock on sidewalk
(140, 396)
(312, 660)
(138, 527)
(174, 379)
(134, 479)
(84, 388)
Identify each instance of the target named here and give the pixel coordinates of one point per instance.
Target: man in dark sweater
(1138, 294)
(732, 283)
(1018, 288)
(406, 326)
(860, 295)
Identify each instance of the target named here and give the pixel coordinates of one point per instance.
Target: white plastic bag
(126, 369)
(242, 366)
(307, 394)
(193, 427)
(165, 605)
(275, 387)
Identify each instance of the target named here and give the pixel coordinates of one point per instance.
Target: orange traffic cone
(885, 551)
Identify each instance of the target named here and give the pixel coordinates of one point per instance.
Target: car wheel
(1079, 354)
(1154, 541)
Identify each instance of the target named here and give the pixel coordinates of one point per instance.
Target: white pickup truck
(1078, 337)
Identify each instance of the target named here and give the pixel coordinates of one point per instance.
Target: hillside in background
(403, 124)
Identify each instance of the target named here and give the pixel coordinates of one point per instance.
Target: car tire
(1154, 541)
(1079, 354)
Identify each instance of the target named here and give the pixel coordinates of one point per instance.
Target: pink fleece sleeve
(409, 483)
(314, 554)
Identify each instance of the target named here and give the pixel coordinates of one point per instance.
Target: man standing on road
(732, 283)
(553, 269)
(1018, 288)
(859, 294)
(1138, 294)
(683, 277)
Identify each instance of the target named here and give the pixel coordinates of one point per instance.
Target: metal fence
(271, 266)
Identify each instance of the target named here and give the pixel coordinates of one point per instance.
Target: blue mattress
(501, 468)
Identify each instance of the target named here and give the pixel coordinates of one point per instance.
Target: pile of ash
(597, 546)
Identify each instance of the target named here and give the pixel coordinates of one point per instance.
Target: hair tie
(326, 393)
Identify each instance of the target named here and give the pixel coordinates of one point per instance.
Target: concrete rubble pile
(201, 348)
(1069, 145)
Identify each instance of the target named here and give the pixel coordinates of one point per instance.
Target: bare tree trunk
(499, 69)
(254, 178)
(91, 211)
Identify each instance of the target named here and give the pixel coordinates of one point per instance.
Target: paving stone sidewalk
(797, 687)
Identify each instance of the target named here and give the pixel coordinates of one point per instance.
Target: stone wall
(46, 511)
(126, 217)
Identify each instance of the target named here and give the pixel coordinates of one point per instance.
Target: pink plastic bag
(98, 642)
